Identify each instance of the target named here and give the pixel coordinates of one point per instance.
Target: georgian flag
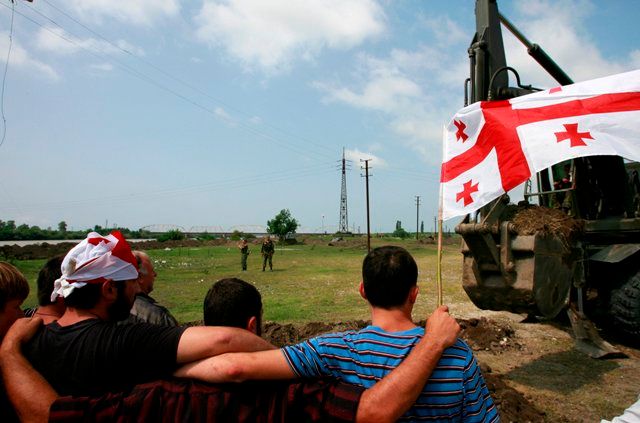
(492, 147)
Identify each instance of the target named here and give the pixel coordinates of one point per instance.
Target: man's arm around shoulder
(397, 391)
(22, 382)
(200, 342)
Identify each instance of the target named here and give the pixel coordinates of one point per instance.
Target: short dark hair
(46, 278)
(388, 274)
(232, 302)
(13, 284)
(85, 297)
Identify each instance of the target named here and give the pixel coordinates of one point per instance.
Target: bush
(207, 237)
(172, 235)
(401, 233)
(236, 235)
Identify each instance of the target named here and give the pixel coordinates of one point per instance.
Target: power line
(161, 86)
(241, 182)
(4, 75)
(173, 77)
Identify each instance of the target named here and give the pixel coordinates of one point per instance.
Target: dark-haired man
(233, 302)
(455, 390)
(47, 309)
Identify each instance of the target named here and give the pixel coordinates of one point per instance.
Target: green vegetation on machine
(594, 275)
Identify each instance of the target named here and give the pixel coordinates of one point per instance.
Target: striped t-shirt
(456, 390)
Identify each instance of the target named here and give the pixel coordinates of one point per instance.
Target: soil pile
(529, 220)
(46, 250)
(35, 251)
(512, 405)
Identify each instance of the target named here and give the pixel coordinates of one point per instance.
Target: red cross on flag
(492, 147)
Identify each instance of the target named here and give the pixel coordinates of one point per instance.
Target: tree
(62, 226)
(400, 232)
(282, 224)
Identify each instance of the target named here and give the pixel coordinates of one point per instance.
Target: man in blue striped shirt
(455, 390)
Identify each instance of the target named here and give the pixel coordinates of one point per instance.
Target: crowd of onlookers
(99, 347)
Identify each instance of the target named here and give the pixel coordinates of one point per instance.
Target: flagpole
(439, 255)
(439, 264)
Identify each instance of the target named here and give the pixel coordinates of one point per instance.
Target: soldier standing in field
(244, 252)
(267, 251)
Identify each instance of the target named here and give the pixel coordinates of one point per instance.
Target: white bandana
(95, 260)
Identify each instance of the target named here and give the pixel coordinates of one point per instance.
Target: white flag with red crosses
(492, 147)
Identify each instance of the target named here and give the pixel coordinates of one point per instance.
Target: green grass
(308, 283)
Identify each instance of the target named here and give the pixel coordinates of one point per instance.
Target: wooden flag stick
(440, 205)
(439, 265)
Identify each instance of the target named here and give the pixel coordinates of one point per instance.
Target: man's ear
(252, 325)
(413, 294)
(361, 289)
(109, 290)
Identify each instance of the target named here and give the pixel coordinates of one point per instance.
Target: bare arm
(238, 367)
(201, 342)
(29, 392)
(399, 389)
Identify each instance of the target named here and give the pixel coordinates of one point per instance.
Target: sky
(215, 115)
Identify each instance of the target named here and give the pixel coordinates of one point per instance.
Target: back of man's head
(232, 302)
(46, 279)
(388, 274)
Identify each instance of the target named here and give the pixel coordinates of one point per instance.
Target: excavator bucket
(588, 339)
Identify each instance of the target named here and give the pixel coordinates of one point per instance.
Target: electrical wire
(233, 183)
(152, 81)
(168, 75)
(4, 75)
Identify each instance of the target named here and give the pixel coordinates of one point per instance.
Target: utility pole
(366, 177)
(435, 225)
(417, 215)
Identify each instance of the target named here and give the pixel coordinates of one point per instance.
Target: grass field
(309, 282)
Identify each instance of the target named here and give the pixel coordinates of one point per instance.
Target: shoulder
(459, 353)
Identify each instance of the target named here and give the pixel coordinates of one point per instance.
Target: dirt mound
(529, 220)
(480, 334)
(45, 250)
(512, 405)
(484, 334)
(280, 335)
(35, 251)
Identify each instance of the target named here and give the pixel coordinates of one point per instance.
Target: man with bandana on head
(86, 352)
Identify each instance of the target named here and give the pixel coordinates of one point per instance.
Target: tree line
(9, 231)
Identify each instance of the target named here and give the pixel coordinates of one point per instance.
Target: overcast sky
(218, 114)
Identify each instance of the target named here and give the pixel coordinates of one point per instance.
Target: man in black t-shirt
(86, 352)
